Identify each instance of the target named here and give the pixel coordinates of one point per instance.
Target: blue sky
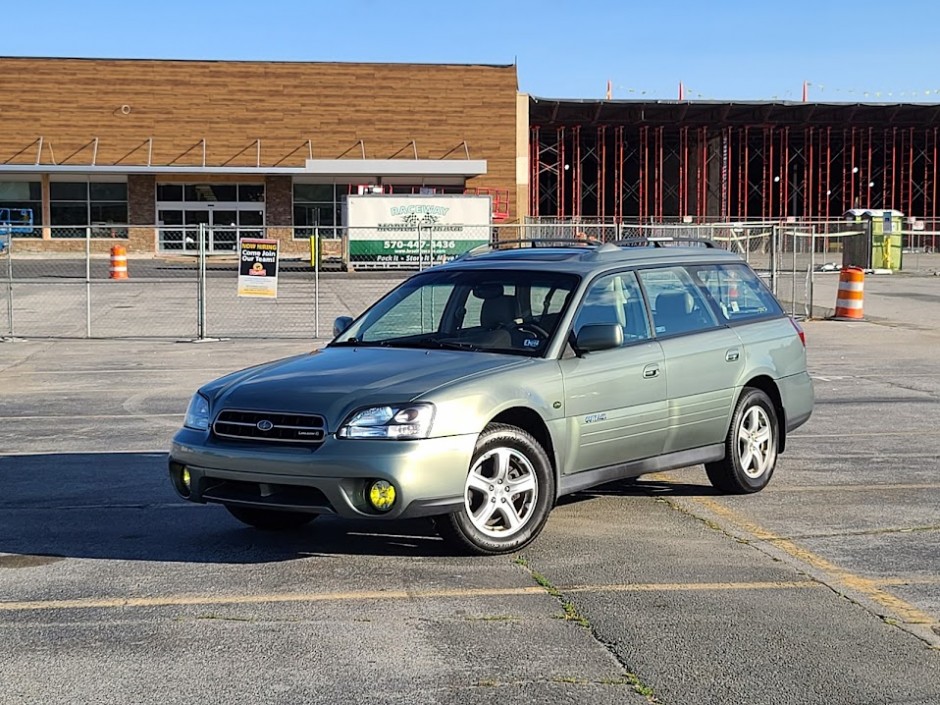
(848, 51)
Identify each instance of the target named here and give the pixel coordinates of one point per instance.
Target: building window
(317, 206)
(75, 205)
(23, 194)
(210, 193)
(228, 211)
(426, 189)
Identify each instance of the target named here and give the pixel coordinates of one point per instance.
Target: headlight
(197, 415)
(395, 422)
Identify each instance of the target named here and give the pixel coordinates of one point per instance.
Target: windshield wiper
(456, 345)
(360, 343)
(418, 344)
(432, 344)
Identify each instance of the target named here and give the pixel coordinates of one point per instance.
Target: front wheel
(270, 519)
(750, 446)
(508, 494)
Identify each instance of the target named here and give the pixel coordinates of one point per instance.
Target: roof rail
(494, 245)
(658, 241)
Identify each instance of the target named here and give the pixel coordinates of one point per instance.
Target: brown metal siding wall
(70, 102)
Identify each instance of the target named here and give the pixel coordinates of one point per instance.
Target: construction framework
(706, 161)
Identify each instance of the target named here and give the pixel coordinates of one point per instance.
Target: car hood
(334, 381)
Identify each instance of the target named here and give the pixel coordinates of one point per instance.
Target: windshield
(506, 311)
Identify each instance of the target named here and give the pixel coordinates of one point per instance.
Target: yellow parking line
(857, 488)
(182, 600)
(866, 434)
(694, 587)
(917, 580)
(191, 600)
(838, 578)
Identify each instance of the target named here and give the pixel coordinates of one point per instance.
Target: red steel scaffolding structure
(655, 162)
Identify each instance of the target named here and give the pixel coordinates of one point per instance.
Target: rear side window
(738, 291)
(678, 302)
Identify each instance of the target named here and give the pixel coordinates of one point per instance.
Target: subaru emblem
(265, 425)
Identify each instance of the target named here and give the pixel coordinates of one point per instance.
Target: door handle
(650, 371)
(732, 355)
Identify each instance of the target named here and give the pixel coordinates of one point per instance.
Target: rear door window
(678, 303)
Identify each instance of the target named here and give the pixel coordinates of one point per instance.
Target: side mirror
(341, 324)
(601, 336)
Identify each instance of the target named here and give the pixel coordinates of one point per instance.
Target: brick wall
(141, 210)
(279, 200)
(141, 199)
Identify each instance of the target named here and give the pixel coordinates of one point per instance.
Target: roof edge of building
(256, 61)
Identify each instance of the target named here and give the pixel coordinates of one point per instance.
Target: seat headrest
(497, 311)
(488, 291)
(674, 304)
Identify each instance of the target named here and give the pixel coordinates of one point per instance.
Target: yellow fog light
(184, 482)
(382, 495)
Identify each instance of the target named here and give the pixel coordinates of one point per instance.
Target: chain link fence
(189, 288)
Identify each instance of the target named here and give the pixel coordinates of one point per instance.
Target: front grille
(270, 426)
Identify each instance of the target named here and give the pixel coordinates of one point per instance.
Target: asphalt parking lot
(823, 588)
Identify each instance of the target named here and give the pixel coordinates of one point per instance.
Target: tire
(270, 519)
(750, 446)
(510, 473)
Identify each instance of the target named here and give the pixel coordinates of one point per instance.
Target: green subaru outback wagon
(480, 391)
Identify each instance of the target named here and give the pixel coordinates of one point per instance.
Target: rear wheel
(750, 446)
(509, 491)
(270, 519)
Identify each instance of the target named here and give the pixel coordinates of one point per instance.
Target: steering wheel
(533, 328)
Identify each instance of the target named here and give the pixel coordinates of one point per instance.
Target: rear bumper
(428, 475)
(798, 397)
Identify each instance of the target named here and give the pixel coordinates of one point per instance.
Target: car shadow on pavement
(121, 506)
(640, 487)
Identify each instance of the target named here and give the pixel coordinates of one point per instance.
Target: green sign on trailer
(389, 231)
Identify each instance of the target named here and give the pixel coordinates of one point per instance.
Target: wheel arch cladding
(769, 387)
(529, 421)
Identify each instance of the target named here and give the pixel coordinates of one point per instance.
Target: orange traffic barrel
(851, 293)
(118, 262)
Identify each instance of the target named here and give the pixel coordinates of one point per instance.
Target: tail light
(799, 331)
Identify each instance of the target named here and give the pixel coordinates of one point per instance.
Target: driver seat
(497, 319)
(498, 312)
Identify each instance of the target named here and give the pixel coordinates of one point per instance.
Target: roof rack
(658, 241)
(531, 242)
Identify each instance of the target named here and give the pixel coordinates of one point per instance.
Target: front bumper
(428, 475)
